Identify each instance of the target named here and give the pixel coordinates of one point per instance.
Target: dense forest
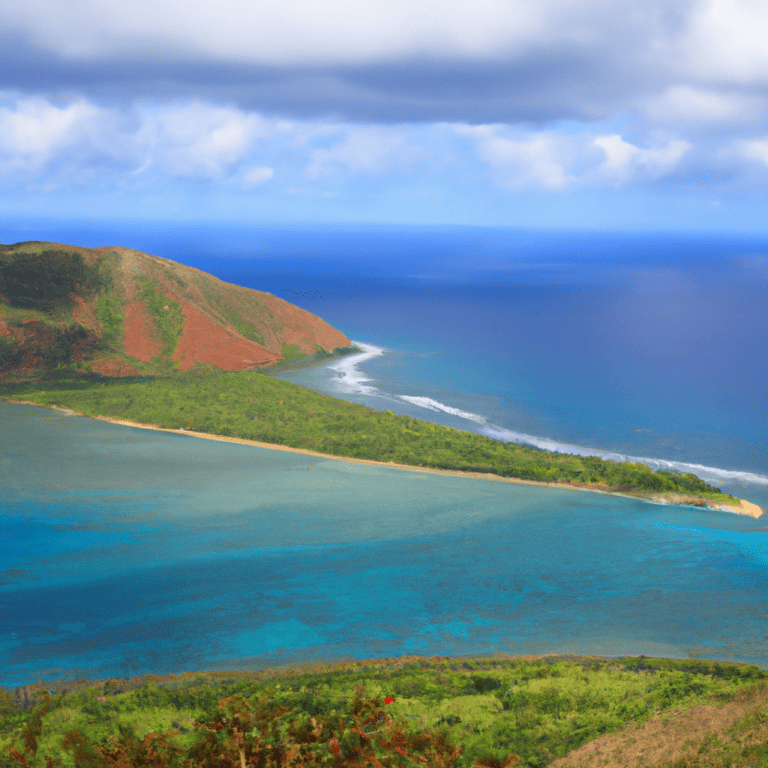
(254, 406)
(397, 713)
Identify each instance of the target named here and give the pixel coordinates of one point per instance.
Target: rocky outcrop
(130, 312)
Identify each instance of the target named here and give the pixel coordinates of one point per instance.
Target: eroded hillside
(121, 312)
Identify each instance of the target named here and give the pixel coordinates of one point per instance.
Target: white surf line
(705, 472)
(352, 380)
(435, 405)
(710, 474)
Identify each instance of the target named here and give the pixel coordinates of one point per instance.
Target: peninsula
(125, 336)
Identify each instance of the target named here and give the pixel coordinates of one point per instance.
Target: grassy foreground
(251, 405)
(410, 711)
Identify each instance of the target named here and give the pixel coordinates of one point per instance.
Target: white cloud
(147, 145)
(187, 141)
(534, 160)
(290, 31)
(686, 63)
(202, 141)
(625, 162)
(33, 131)
(694, 106)
(724, 41)
(257, 175)
(193, 141)
(754, 149)
(366, 149)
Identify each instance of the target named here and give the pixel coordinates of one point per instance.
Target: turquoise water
(128, 551)
(125, 551)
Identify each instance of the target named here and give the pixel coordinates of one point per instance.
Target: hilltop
(119, 312)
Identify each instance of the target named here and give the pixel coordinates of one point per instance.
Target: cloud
(291, 32)
(199, 140)
(363, 149)
(625, 162)
(489, 61)
(724, 42)
(257, 175)
(754, 149)
(192, 141)
(37, 136)
(534, 160)
(35, 129)
(195, 141)
(692, 107)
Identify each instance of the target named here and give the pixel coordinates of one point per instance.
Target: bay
(127, 551)
(183, 554)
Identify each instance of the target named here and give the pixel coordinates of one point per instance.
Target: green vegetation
(108, 312)
(292, 352)
(109, 309)
(10, 356)
(245, 328)
(167, 314)
(45, 280)
(390, 712)
(251, 405)
(38, 284)
(17, 314)
(224, 302)
(55, 348)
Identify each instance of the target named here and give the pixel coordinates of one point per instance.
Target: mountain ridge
(120, 312)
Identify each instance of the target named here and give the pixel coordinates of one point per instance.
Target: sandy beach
(745, 507)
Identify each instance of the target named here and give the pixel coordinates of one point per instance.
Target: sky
(602, 114)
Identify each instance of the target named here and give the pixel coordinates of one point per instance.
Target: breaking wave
(708, 474)
(434, 405)
(351, 380)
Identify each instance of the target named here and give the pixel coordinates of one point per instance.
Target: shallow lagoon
(128, 551)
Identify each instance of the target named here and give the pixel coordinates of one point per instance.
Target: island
(120, 335)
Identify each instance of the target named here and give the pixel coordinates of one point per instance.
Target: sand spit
(745, 508)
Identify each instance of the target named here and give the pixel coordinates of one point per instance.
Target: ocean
(130, 551)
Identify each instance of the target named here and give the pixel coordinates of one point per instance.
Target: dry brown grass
(704, 735)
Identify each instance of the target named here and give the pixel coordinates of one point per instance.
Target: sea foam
(350, 379)
(710, 474)
(434, 405)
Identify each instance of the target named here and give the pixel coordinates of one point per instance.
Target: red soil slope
(141, 339)
(212, 311)
(205, 341)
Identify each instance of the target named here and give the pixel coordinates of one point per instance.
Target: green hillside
(407, 712)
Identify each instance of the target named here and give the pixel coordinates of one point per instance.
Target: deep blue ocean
(126, 551)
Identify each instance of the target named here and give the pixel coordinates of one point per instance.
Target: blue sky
(555, 113)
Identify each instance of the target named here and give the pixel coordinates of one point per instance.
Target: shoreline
(745, 507)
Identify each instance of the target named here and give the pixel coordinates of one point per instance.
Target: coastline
(745, 507)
